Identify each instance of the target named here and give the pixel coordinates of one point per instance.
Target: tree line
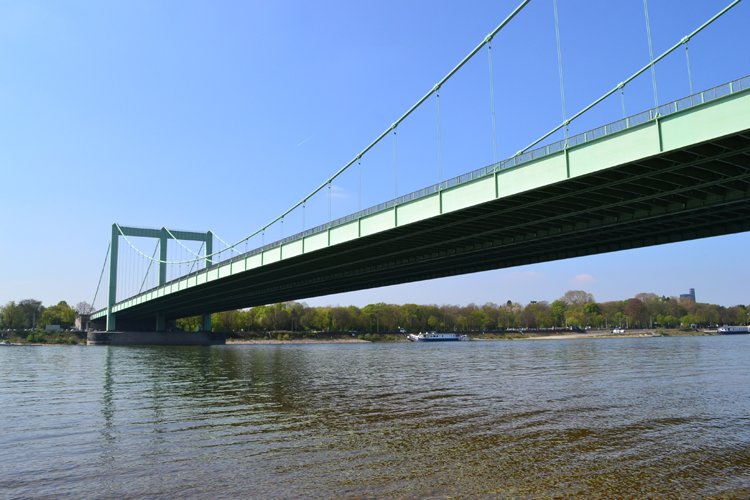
(576, 308)
(30, 313)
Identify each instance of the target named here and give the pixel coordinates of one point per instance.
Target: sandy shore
(605, 334)
(300, 341)
(591, 336)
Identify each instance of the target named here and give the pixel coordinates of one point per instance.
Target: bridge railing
(515, 161)
(630, 121)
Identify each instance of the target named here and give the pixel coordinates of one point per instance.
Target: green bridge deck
(675, 177)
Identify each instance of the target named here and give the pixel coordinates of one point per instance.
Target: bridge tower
(163, 235)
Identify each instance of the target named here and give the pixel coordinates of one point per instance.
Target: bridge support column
(112, 292)
(162, 257)
(206, 323)
(161, 324)
(209, 249)
(111, 323)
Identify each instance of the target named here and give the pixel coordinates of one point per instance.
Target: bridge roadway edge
(695, 191)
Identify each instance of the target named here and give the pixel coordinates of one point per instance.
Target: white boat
(5, 342)
(730, 330)
(434, 337)
(464, 338)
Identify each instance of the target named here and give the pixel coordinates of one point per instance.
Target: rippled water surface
(608, 418)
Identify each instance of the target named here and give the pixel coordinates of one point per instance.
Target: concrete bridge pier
(142, 332)
(161, 324)
(156, 338)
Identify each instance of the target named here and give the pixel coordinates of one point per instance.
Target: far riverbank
(630, 334)
(298, 341)
(78, 338)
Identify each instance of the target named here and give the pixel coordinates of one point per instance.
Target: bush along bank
(44, 337)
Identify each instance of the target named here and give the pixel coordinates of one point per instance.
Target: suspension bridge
(675, 172)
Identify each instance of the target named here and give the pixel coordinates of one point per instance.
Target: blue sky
(221, 115)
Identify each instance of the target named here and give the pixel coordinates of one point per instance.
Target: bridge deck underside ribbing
(694, 192)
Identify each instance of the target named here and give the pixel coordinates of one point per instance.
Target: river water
(607, 418)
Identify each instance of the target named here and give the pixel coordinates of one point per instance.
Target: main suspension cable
(377, 140)
(180, 243)
(227, 244)
(149, 266)
(104, 266)
(196, 262)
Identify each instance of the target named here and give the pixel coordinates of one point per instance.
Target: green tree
(61, 314)
(476, 319)
(557, 312)
(592, 311)
(687, 320)
(536, 315)
(592, 308)
(12, 316)
(462, 323)
(341, 319)
(278, 317)
(636, 310)
(322, 319)
(190, 324)
(491, 316)
(307, 320)
(296, 311)
(32, 312)
(619, 319)
(576, 318)
(409, 316)
(433, 322)
(227, 321)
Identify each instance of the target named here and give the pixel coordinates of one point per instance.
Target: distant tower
(690, 295)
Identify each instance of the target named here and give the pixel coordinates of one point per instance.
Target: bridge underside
(694, 192)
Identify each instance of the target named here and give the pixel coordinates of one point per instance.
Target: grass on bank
(44, 337)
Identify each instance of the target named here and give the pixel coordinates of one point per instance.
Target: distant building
(690, 295)
(82, 322)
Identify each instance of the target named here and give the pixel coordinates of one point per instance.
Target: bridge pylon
(163, 235)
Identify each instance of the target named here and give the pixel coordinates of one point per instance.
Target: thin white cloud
(301, 143)
(338, 192)
(521, 276)
(583, 279)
